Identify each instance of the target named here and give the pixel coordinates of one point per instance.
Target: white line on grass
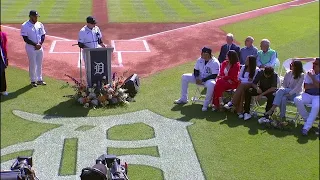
(13, 28)
(205, 22)
(304, 3)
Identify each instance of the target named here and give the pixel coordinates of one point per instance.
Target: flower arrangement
(101, 95)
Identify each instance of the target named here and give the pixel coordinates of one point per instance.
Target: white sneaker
(228, 105)
(5, 93)
(240, 115)
(204, 108)
(247, 116)
(214, 108)
(179, 101)
(262, 120)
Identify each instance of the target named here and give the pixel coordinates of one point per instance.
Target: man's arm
(256, 80)
(28, 41)
(212, 76)
(43, 37)
(272, 61)
(220, 58)
(273, 86)
(258, 61)
(81, 36)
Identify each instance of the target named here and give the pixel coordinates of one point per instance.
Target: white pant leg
(313, 113)
(300, 102)
(39, 59)
(32, 63)
(185, 80)
(210, 87)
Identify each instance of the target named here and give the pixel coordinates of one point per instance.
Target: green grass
(151, 151)
(130, 132)
(293, 32)
(139, 172)
(69, 157)
(179, 11)
(227, 148)
(51, 11)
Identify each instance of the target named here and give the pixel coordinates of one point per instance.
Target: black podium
(98, 64)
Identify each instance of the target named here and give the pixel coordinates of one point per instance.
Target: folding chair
(307, 66)
(198, 96)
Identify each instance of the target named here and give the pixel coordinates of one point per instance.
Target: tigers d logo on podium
(98, 64)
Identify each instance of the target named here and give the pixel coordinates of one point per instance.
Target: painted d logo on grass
(177, 159)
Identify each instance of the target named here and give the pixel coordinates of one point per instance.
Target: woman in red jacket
(228, 77)
(3, 63)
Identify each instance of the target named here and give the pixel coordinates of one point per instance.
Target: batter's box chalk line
(54, 43)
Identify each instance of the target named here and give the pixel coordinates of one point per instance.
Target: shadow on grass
(230, 119)
(69, 108)
(191, 111)
(16, 93)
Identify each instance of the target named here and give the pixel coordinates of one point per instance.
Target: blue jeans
(280, 100)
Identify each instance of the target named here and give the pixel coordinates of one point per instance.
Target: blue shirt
(247, 51)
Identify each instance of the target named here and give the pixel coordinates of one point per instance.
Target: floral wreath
(103, 95)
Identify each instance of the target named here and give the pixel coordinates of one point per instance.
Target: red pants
(220, 87)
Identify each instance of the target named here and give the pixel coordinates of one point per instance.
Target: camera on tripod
(107, 167)
(20, 170)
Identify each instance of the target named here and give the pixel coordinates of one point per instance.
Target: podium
(98, 64)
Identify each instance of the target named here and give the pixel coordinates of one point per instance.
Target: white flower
(86, 105)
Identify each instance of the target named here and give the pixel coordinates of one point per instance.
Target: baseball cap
(91, 20)
(206, 50)
(34, 13)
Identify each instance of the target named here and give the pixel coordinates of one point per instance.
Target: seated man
(205, 71)
(309, 96)
(267, 80)
(248, 50)
(266, 56)
(229, 46)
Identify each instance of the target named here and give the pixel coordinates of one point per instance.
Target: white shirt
(308, 80)
(245, 77)
(212, 67)
(89, 37)
(33, 31)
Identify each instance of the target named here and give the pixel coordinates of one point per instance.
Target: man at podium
(90, 35)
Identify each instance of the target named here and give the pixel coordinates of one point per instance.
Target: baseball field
(159, 40)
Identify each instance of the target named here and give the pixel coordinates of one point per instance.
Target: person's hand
(311, 74)
(102, 45)
(38, 46)
(259, 91)
(230, 82)
(198, 81)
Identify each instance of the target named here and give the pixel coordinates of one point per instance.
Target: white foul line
(146, 45)
(205, 22)
(304, 3)
(53, 45)
(120, 59)
(65, 39)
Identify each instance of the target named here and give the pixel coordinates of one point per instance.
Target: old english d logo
(177, 158)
